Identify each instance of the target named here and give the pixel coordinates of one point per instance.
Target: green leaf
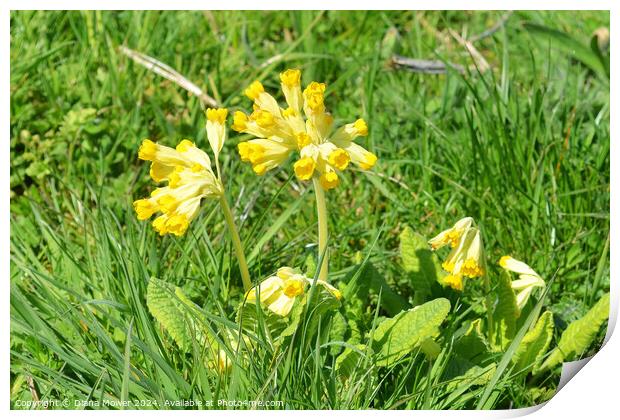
(469, 350)
(430, 348)
(602, 56)
(506, 312)
(566, 43)
(472, 345)
(349, 359)
(319, 310)
(422, 264)
(366, 278)
(310, 264)
(172, 309)
(127, 365)
(391, 301)
(534, 345)
(476, 375)
(395, 337)
(579, 334)
(337, 332)
(252, 317)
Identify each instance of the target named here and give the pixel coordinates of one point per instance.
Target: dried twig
(32, 388)
(481, 62)
(423, 66)
(169, 73)
(502, 21)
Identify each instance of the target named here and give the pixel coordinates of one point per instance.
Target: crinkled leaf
(579, 334)
(337, 332)
(532, 348)
(472, 345)
(349, 359)
(395, 337)
(506, 312)
(169, 305)
(252, 317)
(475, 376)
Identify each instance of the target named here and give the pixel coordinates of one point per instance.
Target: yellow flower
(454, 281)
(221, 363)
(467, 258)
(453, 235)
(187, 169)
(323, 152)
(279, 292)
(216, 129)
(528, 279)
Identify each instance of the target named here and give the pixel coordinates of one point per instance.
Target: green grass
(522, 148)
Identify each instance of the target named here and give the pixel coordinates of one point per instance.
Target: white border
(594, 391)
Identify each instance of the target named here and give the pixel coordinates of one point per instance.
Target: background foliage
(522, 147)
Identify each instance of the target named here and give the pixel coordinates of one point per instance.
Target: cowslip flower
(216, 129)
(451, 236)
(528, 278)
(466, 259)
(189, 176)
(279, 292)
(323, 152)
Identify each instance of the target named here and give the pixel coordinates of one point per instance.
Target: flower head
(279, 292)
(453, 235)
(187, 169)
(466, 259)
(528, 278)
(323, 152)
(216, 129)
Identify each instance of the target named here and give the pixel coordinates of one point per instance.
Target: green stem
(234, 235)
(489, 305)
(321, 211)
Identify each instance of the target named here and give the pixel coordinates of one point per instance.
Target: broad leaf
(350, 359)
(534, 345)
(395, 337)
(474, 376)
(337, 332)
(472, 345)
(366, 278)
(505, 314)
(579, 334)
(174, 311)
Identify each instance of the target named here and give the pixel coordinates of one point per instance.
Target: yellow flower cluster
(467, 256)
(279, 132)
(279, 292)
(187, 169)
(528, 278)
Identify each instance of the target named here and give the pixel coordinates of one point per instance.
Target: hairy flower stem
(321, 211)
(234, 236)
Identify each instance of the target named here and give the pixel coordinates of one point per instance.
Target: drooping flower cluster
(189, 175)
(467, 256)
(528, 278)
(323, 151)
(279, 292)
